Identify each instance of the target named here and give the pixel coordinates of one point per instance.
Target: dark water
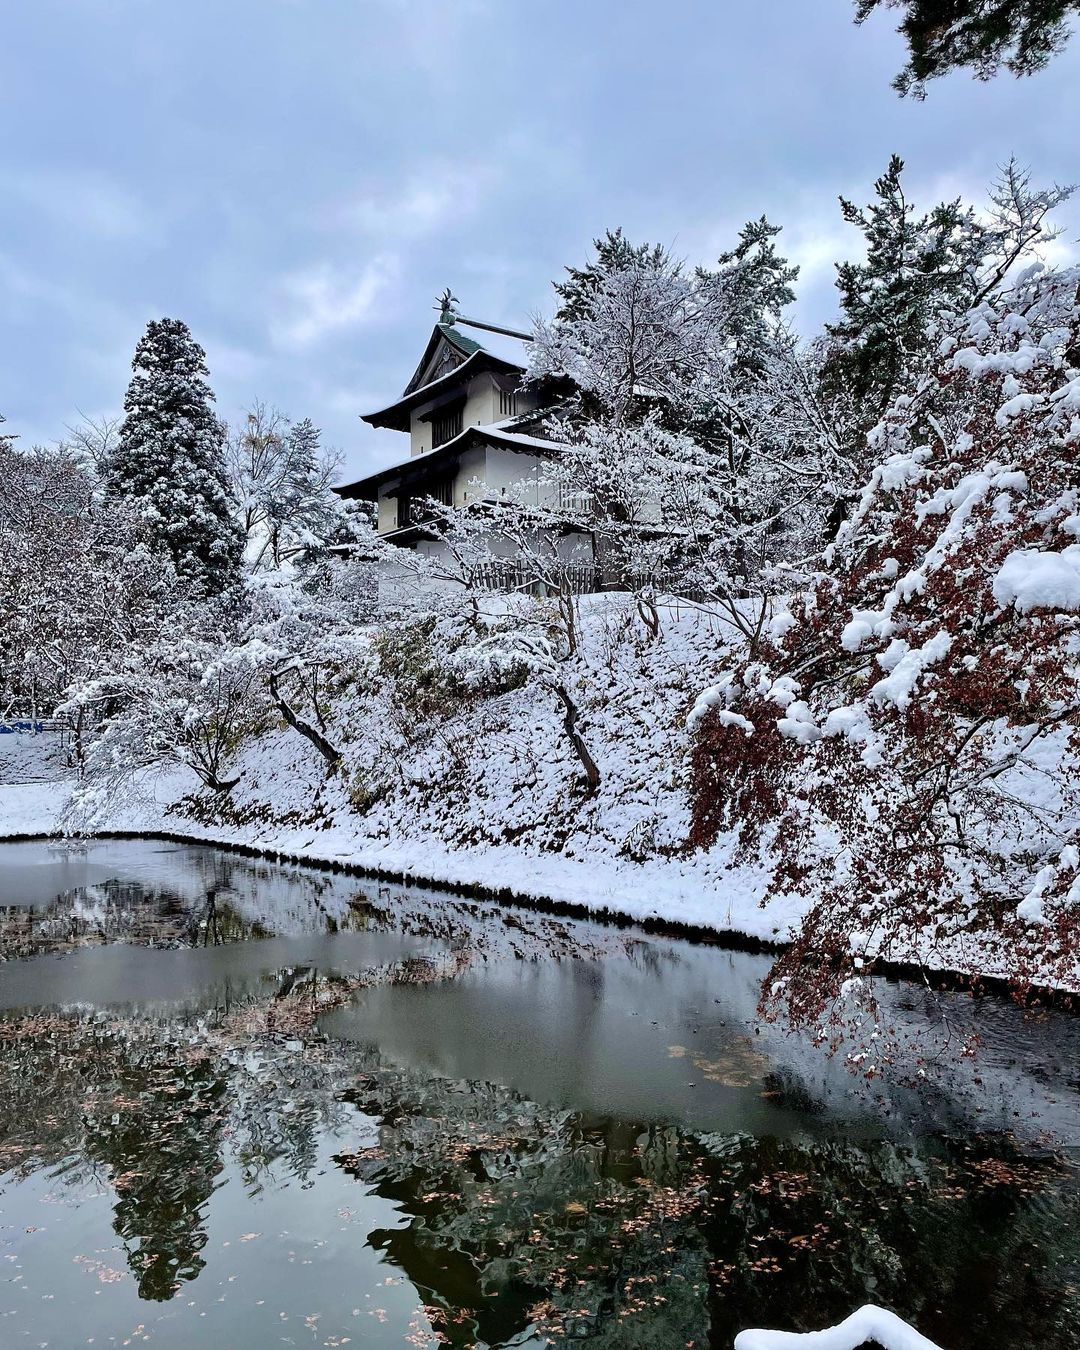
(247, 1105)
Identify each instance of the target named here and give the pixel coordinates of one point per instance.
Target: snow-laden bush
(189, 699)
(910, 747)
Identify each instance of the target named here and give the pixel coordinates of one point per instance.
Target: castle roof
(499, 350)
(420, 466)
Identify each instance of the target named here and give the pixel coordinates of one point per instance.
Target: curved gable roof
(442, 334)
(502, 350)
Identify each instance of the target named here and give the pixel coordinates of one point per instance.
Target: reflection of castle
(513, 1215)
(629, 1235)
(207, 898)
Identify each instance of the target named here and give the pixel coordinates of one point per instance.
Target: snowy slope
(491, 795)
(492, 798)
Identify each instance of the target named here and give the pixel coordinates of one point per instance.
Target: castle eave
(397, 416)
(416, 466)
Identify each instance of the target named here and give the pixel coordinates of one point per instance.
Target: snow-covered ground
(683, 892)
(491, 798)
(869, 1325)
(486, 795)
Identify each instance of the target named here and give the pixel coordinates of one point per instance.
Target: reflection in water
(162, 1149)
(477, 1127)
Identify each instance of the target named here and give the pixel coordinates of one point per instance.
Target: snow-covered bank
(488, 797)
(482, 792)
(658, 891)
(869, 1325)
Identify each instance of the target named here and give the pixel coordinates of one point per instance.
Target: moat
(247, 1104)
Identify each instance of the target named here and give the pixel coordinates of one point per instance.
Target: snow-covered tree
(705, 358)
(282, 479)
(185, 698)
(635, 326)
(915, 267)
(918, 273)
(983, 35)
(169, 459)
(309, 624)
(92, 440)
(77, 585)
(906, 743)
(613, 253)
(641, 330)
(757, 284)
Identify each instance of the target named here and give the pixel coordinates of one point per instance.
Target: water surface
(245, 1104)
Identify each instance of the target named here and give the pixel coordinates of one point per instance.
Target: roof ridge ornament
(445, 304)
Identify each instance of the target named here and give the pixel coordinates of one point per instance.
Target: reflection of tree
(524, 1215)
(825, 1224)
(108, 911)
(162, 1147)
(625, 1236)
(517, 1217)
(147, 1110)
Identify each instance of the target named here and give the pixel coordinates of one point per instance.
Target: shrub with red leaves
(906, 745)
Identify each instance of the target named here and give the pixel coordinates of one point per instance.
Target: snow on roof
(480, 349)
(503, 345)
(515, 439)
(511, 440)
(423, 392)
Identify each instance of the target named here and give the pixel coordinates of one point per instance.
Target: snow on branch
(869, 1324)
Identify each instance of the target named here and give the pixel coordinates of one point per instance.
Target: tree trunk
(329, 752)
(592, 773)
(649, 615)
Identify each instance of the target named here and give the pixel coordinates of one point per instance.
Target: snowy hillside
(492, 797)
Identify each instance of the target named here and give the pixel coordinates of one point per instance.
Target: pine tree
(169, 459)
(943, 35)
(614, 254)
(914, 269)
(757, 283)
(281, 476)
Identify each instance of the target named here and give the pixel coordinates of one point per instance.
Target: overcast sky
(298, 179)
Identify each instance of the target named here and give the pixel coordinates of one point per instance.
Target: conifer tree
(915, 267)
(757, 282)
(169, 459)
(614, 253)
(985, 35)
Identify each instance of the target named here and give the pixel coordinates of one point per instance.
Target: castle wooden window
(446, 425)
(414, 507)
(508, 402)
(442, 491)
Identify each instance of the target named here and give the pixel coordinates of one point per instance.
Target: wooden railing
(510, 574)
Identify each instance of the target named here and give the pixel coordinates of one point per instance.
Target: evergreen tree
(281, 476)
(943, 35)
(757, 283)
(915, 268)
(614, 254)
(169, 459)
